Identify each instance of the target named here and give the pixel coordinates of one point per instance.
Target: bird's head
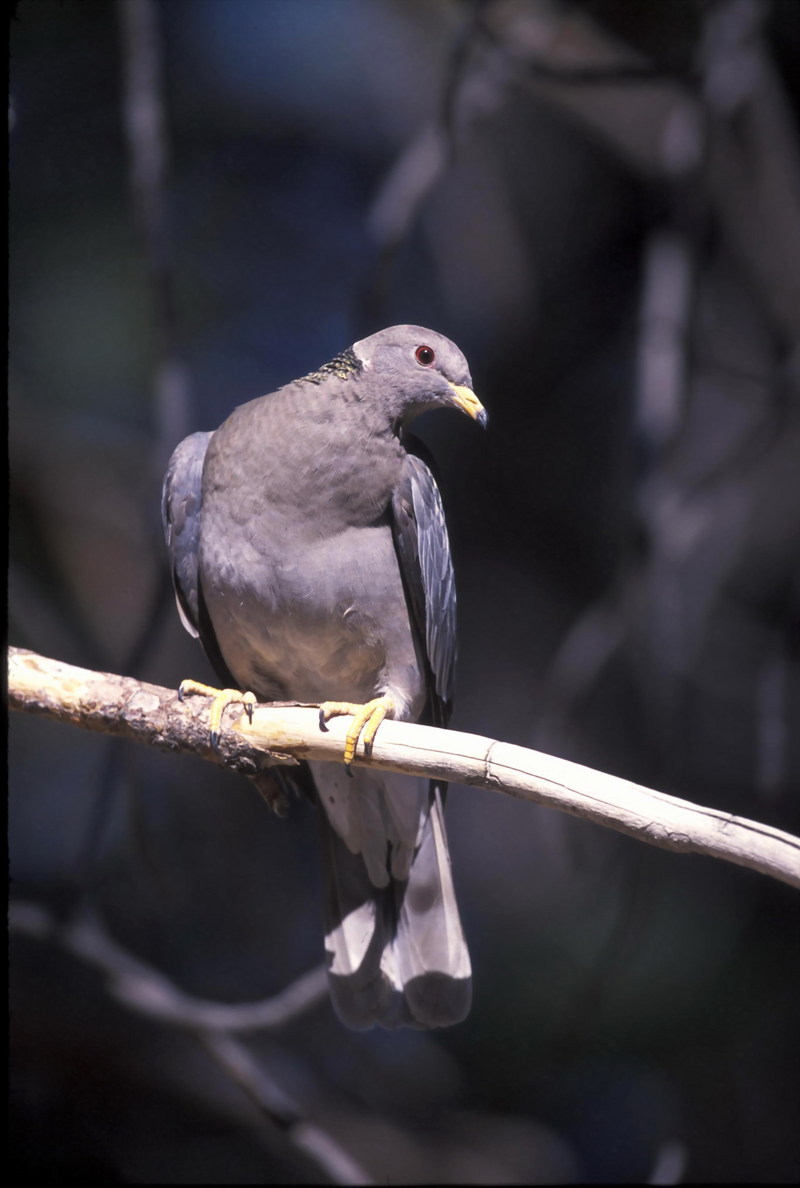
(414, 369)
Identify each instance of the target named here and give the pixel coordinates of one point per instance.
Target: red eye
(425, 355)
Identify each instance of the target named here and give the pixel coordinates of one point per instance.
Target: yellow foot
(222, 699)
(366, 720)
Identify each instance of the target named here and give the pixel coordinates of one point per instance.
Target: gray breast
(309, 617)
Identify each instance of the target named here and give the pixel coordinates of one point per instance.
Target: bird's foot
(222, 698)
(366, 720)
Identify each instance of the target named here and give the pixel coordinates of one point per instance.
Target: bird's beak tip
(465, 399)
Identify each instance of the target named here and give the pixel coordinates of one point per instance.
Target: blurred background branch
(146, 991)
(148, 153)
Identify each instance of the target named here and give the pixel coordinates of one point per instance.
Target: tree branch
(148, 992)
(154, 715)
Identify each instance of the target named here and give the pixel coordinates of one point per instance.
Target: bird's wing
(181, 499)
(423, 550)
(181, 507)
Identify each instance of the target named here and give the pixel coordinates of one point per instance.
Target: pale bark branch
(148, 713)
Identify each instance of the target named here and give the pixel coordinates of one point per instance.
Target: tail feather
(396, 952)
(432, 956)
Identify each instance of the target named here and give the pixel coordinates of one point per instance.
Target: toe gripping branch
(366, 720)
(221, 699)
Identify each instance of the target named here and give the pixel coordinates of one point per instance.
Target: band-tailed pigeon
(310, 556)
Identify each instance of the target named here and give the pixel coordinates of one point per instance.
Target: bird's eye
(425, 355)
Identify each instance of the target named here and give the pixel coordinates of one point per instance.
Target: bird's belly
(324, 621)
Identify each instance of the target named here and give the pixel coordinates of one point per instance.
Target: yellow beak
(468, 402)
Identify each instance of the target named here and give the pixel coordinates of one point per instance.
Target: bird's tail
(396, 954)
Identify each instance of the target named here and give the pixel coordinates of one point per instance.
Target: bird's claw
(366, 720)
(221, 699)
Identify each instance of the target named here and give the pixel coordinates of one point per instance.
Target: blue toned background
(618, 259)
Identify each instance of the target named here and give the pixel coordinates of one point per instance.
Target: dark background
(600, 203)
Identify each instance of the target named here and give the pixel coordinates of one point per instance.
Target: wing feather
(423, 550)
(181, 511)
(181, 500)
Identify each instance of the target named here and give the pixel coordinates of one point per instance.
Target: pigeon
(310, 557)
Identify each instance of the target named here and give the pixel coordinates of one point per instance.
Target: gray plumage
(310, 556)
